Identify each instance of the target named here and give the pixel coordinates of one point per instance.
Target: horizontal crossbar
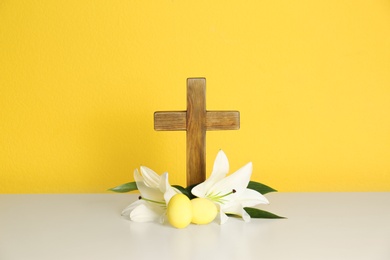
(215, 120)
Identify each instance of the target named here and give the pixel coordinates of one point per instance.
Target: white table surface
(89, 226)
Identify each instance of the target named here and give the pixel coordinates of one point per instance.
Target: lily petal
(147, 191)
(237, 181)
(230, 193)
(222, 217)
(131, 207)
(251, 198)
(238, 210)
(151, 178)
(220, 169)
(166, 188)
(154, 189)
(143, 213)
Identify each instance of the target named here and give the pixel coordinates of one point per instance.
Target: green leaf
(182, 190)
(258, 213)
(130, 186)
(189, 188)
(262, 188)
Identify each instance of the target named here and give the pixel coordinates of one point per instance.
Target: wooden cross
(196, 121)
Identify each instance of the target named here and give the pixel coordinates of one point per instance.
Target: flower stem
(152, 201)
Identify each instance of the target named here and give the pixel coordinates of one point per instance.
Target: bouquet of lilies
(217, 198)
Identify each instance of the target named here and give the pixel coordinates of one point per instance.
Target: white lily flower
(229, 193)
(155, 194)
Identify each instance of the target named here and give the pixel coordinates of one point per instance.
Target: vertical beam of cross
(196, 130)
(196, 121)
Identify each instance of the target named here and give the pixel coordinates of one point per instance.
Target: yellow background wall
(80, 80)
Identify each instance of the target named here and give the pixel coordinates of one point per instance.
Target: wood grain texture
(215, 120)
(196, 121)
(196, 130)
(170, 121)
(222, 120)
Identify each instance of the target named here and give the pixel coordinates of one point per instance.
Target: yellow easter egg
(203, 211)
(179, 211)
